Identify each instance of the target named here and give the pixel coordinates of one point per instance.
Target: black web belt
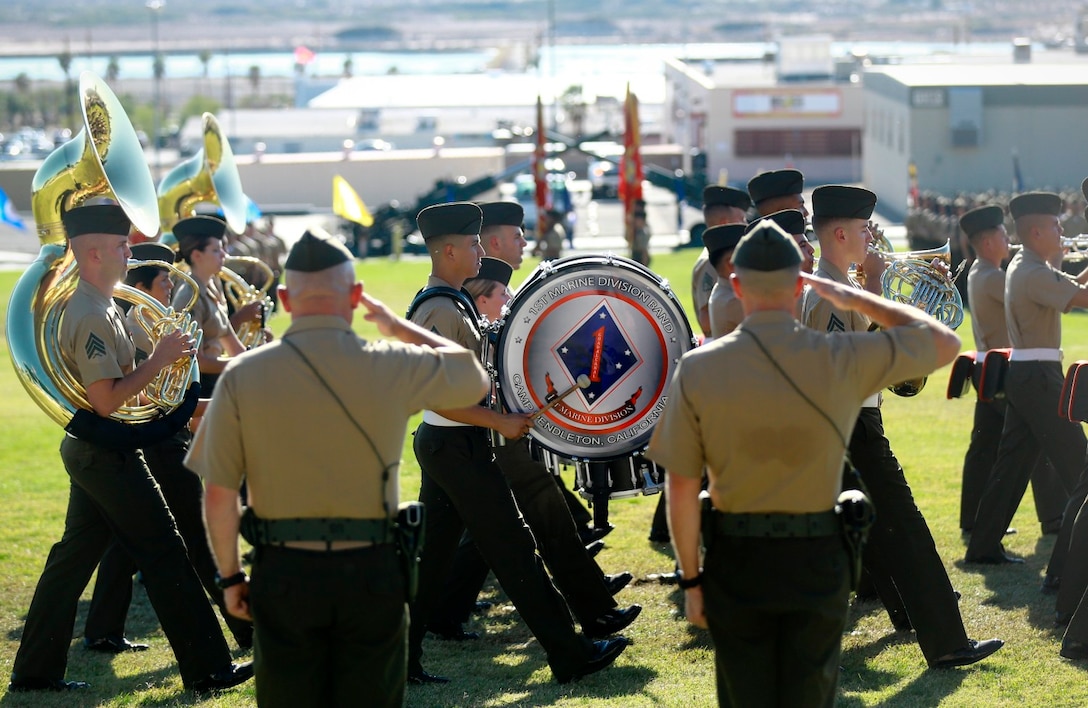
(261, 532)
(823, 523)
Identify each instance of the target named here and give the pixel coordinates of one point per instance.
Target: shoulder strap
(459, 297)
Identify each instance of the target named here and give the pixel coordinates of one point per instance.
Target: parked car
(604, 179)
(558, 187)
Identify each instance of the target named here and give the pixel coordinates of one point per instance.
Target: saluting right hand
(380, 314)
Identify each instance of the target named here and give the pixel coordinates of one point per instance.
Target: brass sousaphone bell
(211, 176)
(104, 160)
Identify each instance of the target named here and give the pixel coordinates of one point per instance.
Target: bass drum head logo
(613, 323)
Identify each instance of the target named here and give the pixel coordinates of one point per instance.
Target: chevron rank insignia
(835, 324)
(94, 347)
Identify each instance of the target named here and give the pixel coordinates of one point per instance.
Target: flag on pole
(347, 204)
(8, 215)
(630, 187)
(540, 170)
(912, 175)
(304, 55)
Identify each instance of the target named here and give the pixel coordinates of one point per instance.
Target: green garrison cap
(766, 248)
(716, 195)
(777, 183)
(982, 219)
(839, 201)
(463, 218)
(96, 219)
(502, 214)
(494, 269)
(194, 230)
(1046, 203)
(316, 250)
(723, 237)
(791, 221)
(153, 251)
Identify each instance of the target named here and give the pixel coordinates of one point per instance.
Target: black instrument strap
(344, 408)
(825, 416)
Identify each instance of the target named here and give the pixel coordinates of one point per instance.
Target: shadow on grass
(1016, 586)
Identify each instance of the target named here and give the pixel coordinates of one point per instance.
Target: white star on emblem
(592, 395)
(602, 315)
(619, 366)
(627, 352)
(564, 350)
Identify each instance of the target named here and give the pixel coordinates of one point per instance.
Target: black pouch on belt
(409, 533)
(856, 514)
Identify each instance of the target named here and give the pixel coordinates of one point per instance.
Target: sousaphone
(103, 161)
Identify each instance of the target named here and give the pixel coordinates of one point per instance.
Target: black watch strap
(689, 583)
(236, 579)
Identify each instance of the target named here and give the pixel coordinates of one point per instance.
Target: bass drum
(609, 319)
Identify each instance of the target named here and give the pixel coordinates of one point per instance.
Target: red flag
(630, 188)
(540, 170)
(304, 55)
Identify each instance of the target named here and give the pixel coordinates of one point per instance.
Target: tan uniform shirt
(273, 423)
(1036, 295)
(551, 242)
(93, 338)
(142, 342)
(726, 311)
(442, 316)
(209, 312)
(703, 277)
(766, 450)
(821, 315)
(986, 298)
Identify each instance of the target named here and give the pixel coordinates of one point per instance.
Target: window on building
(811, 142)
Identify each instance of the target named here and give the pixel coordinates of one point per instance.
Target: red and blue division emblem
(607, 319)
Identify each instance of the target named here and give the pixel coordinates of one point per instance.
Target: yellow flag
(347, 204)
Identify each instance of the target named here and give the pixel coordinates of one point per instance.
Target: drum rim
(535, 281)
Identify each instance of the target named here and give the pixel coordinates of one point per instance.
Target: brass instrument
(912, 279)
(104, 160)
(211, 175)
(240, 292)
(1076, 248)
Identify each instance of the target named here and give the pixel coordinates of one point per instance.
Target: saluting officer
(462, 487)
(721, 205)
(985, 229)
(725, 309)
(328, 594)
(901, 546)
(112, 494)
(777, 627)
(1036, 295)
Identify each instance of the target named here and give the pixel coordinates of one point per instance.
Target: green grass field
(670, 664)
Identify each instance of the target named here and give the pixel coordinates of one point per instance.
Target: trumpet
(240, 292)
(1074, 248)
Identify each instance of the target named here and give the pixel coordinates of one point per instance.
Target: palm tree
(113, 70)
(255, 78)
(348, 65)
(205, 57)
(65, 59)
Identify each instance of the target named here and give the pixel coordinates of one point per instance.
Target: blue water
(600, 60)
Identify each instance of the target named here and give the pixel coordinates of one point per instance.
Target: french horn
(211, 176)
(912, 279)
(103, 160)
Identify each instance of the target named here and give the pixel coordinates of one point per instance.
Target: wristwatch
(689, 583)
(236, 579)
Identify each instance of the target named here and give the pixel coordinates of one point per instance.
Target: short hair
(335, 281)
(199, 243)
(436, 243)
(144, 275)
(716, 257)
(764, 283)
